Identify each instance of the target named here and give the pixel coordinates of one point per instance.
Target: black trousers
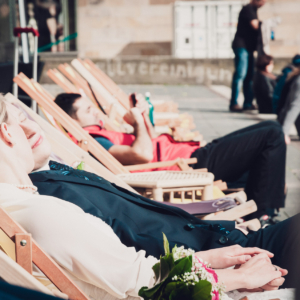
(283, 240)
(259, 150)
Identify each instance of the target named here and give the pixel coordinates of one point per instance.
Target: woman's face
(21, 147)
(39, 145)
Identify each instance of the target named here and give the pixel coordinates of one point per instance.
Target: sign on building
(205, 29)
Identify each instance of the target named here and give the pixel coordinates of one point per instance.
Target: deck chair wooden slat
(79, 82)
(98, 87)
(43, 261)
(14, 274)
(115, 90)
(107, 83)
(59, 79)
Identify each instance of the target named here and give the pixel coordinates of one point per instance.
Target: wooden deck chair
(20, 246)
(71, 153)
(91, 76)
(115, 90)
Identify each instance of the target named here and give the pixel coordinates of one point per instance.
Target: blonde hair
(3, 110)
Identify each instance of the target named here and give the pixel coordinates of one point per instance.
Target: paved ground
(209, 107)
(212, 119)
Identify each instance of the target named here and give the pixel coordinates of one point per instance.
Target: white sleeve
(85, 246)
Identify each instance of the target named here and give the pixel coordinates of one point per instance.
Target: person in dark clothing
(139, 221)
(289, 102)
(13, 292)
(243, 45)
(264, 83)
(259, 150)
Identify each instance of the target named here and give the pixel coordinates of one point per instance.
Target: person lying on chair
(85, 246)
(257, 150)
(138, 221)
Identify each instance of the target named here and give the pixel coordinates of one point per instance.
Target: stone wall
(116, 28)
(160, 69)
(287, 33)
(107, 28)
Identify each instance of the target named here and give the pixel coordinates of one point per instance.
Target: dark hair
(296, 60)
(263, 61)
(66, 103)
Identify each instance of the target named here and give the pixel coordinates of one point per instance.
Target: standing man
(243, 45)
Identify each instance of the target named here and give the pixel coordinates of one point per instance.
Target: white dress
(85, 246)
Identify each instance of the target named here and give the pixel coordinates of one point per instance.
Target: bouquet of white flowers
(180, 274)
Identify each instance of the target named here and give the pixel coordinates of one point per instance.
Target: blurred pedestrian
(244, 45)
(264, 83)
(289, 103)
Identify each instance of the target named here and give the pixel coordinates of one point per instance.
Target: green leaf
(148, 294)
(166, 266)
(171, 286)
(156, 269)
(81, 166)
(161, 271)
(183, 265)
(166, 245)
(180, 292)
(201, 290)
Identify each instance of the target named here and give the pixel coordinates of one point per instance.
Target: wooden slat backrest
(14, 274)
(108, 83)
(72, 126)
(67, 150)
(69, 87)
(42, 260)
(97, 86)
(98, 97)
(80, 82)
(63, 82)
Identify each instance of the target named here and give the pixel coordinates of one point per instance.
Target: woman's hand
(230, 256)
(270, 286)
(257, 274)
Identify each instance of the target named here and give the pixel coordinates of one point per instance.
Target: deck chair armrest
(162, 164)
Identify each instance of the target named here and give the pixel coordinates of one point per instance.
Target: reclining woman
(257, 150)
(135, 220)
(85, 246)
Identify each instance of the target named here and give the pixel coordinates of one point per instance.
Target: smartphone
(133, 99)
